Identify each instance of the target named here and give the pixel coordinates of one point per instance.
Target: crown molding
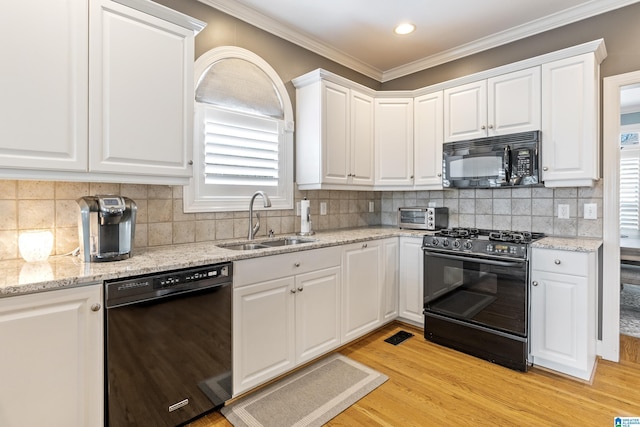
(299, 38)
(306, 41)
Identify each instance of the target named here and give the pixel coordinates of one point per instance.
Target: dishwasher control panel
(133, 289)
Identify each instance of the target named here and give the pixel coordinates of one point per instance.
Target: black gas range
(476, 293)
(478, 242)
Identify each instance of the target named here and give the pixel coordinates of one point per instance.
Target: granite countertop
(19, 277)
(574, 244)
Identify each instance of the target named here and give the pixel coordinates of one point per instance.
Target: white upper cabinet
(428, 137)
(108, 97)
(43, 107)
(500, 105)
(140, 92)
(334, 136)
(393, 142)
(465, 111)
(570, 121)
(362, 129)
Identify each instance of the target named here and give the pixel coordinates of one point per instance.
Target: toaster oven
(423, 218)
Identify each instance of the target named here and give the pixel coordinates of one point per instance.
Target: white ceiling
(359, 33)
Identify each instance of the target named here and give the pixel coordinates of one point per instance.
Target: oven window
(494, 296)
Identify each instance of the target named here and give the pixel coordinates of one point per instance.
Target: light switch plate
(297, 208)
(371, 206)
(590, 211)
(323, 208)
(563, 211)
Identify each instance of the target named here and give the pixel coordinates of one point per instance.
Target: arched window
(243, 137)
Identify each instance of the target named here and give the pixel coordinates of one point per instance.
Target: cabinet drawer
(260, 269)
(563, 262)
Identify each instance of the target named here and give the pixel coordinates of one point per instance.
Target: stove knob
(435, 242)
(456, 244)
(468, 245)
(445, 243)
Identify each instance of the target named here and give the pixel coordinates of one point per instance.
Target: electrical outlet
(371, 206)
(590, 211)
(563, 211)
(323, 208)
(297, 208)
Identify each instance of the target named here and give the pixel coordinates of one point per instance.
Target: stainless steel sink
(286, 241)
(244, 246)
(272, 243)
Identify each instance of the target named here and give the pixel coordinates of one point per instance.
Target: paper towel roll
(305, 214)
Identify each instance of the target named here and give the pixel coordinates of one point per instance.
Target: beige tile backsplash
(46, 205)
(28, 205)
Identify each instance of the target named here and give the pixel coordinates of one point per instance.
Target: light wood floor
(431, 385)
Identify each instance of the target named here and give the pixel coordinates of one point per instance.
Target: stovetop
(503, 243)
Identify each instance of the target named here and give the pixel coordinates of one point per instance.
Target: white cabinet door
(394, 141)
(263, 332)
(391, 264)
(335, 133)
(427, 142)
(140, 94)
(362, 275)
(43, 106)
(563, 311)
(411, 280)
(51, 359)
(514, 102)
(570, 131)
(317, 313)
(465, 112)
(334, 142)
(501, 105)
(362, 130)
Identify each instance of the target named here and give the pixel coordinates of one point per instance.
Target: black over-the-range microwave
(500, 161)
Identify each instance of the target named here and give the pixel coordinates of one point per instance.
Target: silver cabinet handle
(300, 289)
(364, 245)
(483, 127)
(297, 264)
(190, 162)
(439, 174)
(490, 126)
(293, 291)
(534, 283)
(557, 262)
(96, 307)
(545, 168)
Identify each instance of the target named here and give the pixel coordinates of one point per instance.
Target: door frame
(609, 346)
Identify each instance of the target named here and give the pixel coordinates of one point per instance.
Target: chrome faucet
(253, 229)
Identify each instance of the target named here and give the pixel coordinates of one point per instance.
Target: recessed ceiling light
(405, 28)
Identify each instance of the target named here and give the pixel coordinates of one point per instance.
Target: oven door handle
(478, 260)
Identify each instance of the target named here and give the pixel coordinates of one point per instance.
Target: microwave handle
(507, 163)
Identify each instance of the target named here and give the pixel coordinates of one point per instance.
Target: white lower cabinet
(411, 280)
(563, 311)
(285, 312)
(391, 263)
(369, 286)
(51, 356)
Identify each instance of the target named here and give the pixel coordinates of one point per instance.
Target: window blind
(629, 188)
(241, 149)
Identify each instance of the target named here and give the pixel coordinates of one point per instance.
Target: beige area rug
(309, 397)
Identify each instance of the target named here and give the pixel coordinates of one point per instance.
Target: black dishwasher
(168, 346)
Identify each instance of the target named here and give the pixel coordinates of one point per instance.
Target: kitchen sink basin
(286, 241)
(244, 246)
